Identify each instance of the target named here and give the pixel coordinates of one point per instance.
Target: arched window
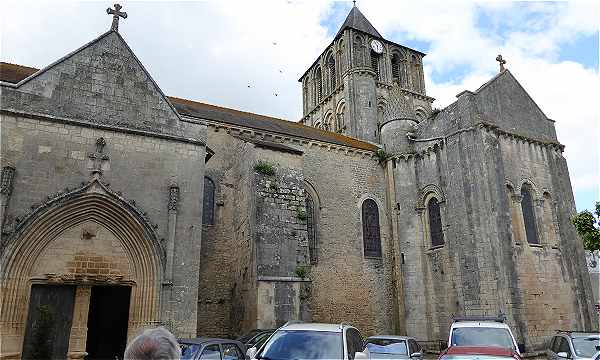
(331, 69)
(340, 125)
(529, 215)
(358, 51)
(305, 95)
(208, 204)
(328, 124)
(319, 84)
(395, 67)
(371, 231)
(435, 222)
(375, 63)
(311, 227)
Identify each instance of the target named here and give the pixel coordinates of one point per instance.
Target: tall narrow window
(319, 84)
(311, 228)
(395, 67)
(332, 75)
(371, 231)
(375, 63)
(529, 215)
(208, 204)
(435, 223)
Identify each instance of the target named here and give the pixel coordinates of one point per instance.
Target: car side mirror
(251, 353)
(562, 354)
(416, 354)
(360, 355)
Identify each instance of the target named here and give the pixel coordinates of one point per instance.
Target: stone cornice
(438, 143)
(251, 133)
(88, 124)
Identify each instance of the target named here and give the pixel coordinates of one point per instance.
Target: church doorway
(49, 322)
(108, 321)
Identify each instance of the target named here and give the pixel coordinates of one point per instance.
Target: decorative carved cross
(116, 14)
(501, 61)
(98, 158)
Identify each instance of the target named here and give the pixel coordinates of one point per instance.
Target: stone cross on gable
(116, 13)
(98, 159)
(501, 61)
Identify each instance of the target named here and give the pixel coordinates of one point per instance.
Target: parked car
(393, 347)
(482, 331)
(479, 352)
(312, 341)
(203, 348)
(574, 345)
(249, 335)
(259, 339)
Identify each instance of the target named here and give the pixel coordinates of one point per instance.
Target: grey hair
(153, 344)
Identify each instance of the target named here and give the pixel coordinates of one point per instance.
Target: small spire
(116, 13)
(353, 3)
(502, 62)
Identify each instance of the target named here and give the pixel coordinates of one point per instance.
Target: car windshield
(387, 346)
(188, 350)
(479, 357)
(586, 346)
(302, 344)
(248, 336)
(481, 336)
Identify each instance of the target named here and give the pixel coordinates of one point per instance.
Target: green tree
(588, 227)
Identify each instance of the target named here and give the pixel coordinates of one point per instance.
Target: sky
(248, 55)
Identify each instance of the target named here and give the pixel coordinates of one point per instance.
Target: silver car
(574, 345)
(393, 347)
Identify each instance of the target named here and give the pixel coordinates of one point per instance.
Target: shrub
(301, 271)
(263, 167)
(382, 155)
(301, 215)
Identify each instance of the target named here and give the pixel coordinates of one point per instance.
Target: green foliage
(263, 167)
(588, 227)
(42, 334)
(382, 155)
(301, 215)
(301, 271)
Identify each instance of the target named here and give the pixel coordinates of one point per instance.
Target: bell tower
(352, 87)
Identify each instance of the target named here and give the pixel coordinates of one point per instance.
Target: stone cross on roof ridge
(502, 62)
(116, 13)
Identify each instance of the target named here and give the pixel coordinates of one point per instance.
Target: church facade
(122, 205)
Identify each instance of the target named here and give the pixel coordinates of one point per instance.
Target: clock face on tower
(377, 46)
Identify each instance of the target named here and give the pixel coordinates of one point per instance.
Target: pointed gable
(503, 102)
(357, 21)
(102, 82)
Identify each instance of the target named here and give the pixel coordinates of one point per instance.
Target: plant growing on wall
(382, 155)
(301, 215)
(301, 271)
(587, 225)
(265, 168)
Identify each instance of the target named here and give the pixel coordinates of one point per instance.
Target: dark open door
(49, 322)
(108, 320)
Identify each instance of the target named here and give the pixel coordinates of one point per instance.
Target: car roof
(204, 340)
(487, 324)
(577, 334)
(315, 327)
(391, 337)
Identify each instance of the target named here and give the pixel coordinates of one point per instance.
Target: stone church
(123, 208)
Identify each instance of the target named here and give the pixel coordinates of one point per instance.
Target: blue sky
(240, 53)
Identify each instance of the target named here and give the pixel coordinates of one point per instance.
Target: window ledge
(435, 248)
(540, 246)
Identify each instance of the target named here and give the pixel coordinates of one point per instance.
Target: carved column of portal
(168, 282)
(6, 185)
(78, 337)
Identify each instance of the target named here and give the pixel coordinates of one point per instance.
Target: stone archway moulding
(95, 202)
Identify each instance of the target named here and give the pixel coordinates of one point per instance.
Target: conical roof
(356, 20)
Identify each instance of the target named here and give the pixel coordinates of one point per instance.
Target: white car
(312, 341)
(482, 331)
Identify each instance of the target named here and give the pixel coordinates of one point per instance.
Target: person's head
(153, 344)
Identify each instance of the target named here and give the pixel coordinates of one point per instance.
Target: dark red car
(478, 353)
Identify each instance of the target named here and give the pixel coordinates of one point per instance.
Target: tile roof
(13, 73)
(356, 20)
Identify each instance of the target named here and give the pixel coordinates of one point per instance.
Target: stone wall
(50, 156)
